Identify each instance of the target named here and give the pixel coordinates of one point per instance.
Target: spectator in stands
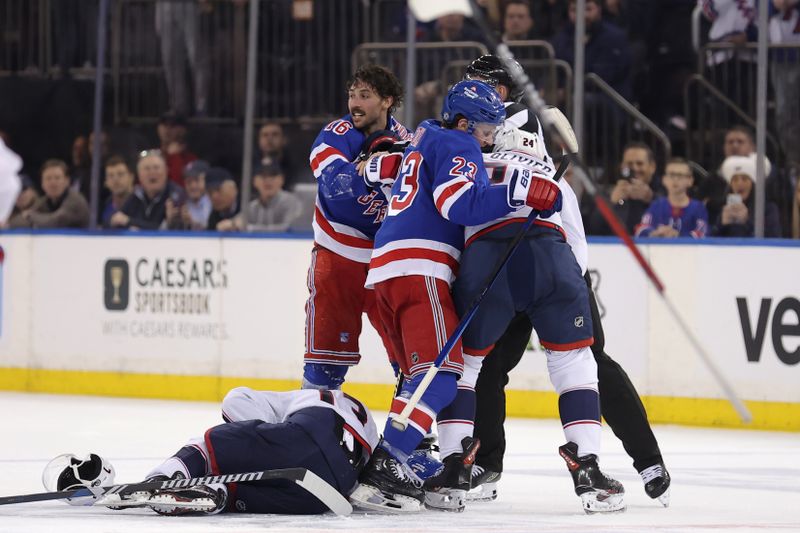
(608, 53)
(224, 193)
(447, 28)
(195, 212)
(518, 24)
(784, 28)
(274, 209)
(736, 218)
(633, 191)
(25, 200)
(733, 70)
(676, 215)
(272, 143)
(146, 207)
(178, 27)
(172, 130)
(119, 182)
(60, 207)
(738, 141)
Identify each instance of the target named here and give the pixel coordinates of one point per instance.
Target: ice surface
(723, 480)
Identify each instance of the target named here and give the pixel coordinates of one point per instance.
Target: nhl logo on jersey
(344, 336)
(578, 321)
(414, 357)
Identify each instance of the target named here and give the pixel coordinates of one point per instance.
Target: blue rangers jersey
(442, 186)
(348, 213)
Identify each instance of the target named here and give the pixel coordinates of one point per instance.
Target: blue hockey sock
(323, 376)
(439, 394)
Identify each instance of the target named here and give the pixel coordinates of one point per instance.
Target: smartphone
(625, 174)
(734, 199)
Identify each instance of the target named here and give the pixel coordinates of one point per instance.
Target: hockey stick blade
(303, 477)
(325, 493)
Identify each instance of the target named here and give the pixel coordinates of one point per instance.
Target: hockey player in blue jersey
(349, 211)
(327, 432)
(442, 186)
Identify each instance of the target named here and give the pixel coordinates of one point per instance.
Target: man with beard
(349, 211)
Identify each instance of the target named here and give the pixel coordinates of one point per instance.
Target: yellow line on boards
(782, 416)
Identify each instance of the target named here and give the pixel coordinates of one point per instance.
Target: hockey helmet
(68, 472)
(490, 69)
(475, 101)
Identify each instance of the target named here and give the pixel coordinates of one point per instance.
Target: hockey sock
(440, 392)
(190, 461)
(457, 420)
(580, 418)
(323, 376)
(574, 376)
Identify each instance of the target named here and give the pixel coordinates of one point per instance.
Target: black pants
(619, 401)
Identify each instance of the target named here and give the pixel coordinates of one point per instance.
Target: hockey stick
(307, 479)
(470, 8)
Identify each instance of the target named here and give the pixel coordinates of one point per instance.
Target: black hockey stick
(307, 479)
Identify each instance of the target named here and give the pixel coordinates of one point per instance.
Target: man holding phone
(633, 192)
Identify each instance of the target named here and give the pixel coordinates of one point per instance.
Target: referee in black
(620, 404)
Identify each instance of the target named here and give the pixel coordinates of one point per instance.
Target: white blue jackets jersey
(277, 407)
(442, 185)
(568, 221)
(348, 213)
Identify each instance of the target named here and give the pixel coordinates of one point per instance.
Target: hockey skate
(422, 461)
(598, 492)
(447, 490)
(386, 486)
(200, 499)
(656, 483)
(484, 485)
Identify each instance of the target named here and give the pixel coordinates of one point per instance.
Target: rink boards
(188, 317)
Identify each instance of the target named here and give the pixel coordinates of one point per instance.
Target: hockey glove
(381, 169)
(526, 188)
(381, 141)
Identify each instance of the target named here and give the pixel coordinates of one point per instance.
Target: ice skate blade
(168, 504)
(449, 500)
(598, 502)
(483, 493)
(369, 498)
(664, 498)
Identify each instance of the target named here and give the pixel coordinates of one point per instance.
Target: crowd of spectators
(164, 188)
(641, 49)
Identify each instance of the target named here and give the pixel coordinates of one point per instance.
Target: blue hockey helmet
(476, 101)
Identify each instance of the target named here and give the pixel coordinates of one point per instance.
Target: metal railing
(24, 41)
(709, 113)
(611, 122)
(191, 57)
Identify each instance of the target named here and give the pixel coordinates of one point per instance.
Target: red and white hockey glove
(381, 169)
(537, 192)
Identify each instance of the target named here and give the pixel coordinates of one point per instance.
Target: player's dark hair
(382, 80)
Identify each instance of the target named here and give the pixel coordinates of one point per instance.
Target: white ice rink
(723, 480)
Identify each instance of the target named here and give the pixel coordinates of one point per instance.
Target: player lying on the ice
(327, 432)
